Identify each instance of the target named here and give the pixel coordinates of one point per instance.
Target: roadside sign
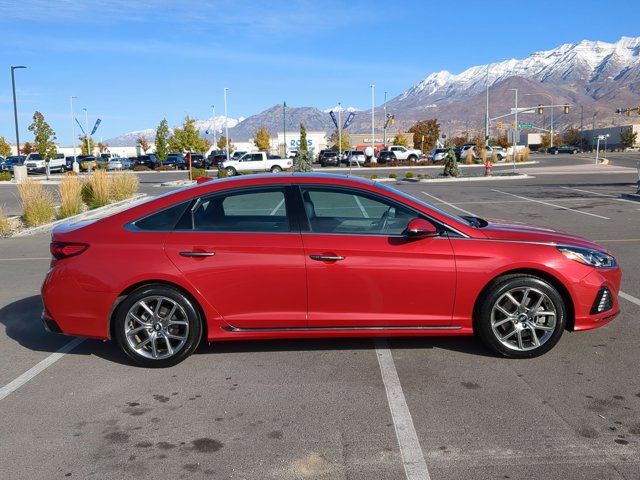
(525, 125)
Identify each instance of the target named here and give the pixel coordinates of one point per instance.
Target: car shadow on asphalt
(22, 323)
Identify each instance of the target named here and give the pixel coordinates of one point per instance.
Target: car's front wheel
(520, 316)
(231, 171)
(157, 326)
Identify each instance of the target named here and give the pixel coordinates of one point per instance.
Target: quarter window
(348, 212)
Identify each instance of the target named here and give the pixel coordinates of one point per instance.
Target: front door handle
(197, 254)
(326, 258)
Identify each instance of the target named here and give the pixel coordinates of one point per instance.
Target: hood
(515, 231)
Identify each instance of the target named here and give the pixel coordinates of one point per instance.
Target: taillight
(61, 250)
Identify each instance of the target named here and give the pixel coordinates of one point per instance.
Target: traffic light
(628, 112)
(540, 109)
(566, 108)
(500, 124)
(638, 110)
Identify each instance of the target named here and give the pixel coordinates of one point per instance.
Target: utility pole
(373, 117)
(339, 132)
(593, 129)
(515, 132)
(226, 123)
(384, 133)
(581, 124)
(284, 128)
(15, 107)
(486, 118)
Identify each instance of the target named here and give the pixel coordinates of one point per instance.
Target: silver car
(119, 163)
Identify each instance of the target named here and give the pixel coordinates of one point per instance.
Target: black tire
(231, 171)
(191, 316)
(276, 169)
(482, 321)
(412, 158)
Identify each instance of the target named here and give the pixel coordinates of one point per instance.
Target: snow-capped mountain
(340, 108)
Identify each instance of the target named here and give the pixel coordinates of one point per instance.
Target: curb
(417, 167)
(49, 226)
(473, 179)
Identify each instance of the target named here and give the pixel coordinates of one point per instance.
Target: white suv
(36, 164)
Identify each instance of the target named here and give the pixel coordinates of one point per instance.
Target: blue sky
(134, 62)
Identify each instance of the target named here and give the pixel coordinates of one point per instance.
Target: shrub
(5, 177)
(141, 168)
(222, 173)
(37, 203)
(451, 164)
(198, 172)
(408, 175)
(5, 225)
(373, 177)
(95, 191)
(483, 156)
(393, 175)
(468, 158)
(122, 186)
(70, 197)
(164, 168)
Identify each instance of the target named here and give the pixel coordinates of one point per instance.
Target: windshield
(470, 221)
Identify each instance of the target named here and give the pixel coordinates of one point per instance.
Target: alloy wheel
(523, 318)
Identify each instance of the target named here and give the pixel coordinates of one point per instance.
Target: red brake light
(61, 250)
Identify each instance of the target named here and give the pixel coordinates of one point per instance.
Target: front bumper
(588, 292)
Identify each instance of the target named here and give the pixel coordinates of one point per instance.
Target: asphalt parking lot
(341, 409)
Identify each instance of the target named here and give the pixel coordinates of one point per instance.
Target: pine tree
(628, 138)
(451, 164)
(5, 148)
(162, 140)
(303, 138)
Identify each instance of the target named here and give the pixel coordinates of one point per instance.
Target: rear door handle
(197, 254)
(326, 258)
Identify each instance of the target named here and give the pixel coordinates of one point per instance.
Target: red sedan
(315, 255)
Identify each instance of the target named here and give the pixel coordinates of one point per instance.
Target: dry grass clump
(95, 191)
(38, 206)
(122, 186)
(70, 197)
(468, 158)
(5, 224)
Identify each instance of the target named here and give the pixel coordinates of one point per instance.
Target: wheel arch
(543, 275)
(164, 283)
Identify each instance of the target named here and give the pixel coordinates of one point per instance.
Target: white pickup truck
(255, 162)
(36, 164)
(404, 153)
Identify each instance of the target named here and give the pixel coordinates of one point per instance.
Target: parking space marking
(415, 467)
(23, 258)
(630, 298)
(39, 367)
(550, 204)
(447, 203)
(600, 194)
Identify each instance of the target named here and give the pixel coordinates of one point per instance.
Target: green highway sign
(525, 125)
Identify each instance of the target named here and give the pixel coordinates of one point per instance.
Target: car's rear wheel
(157, 326)
(276, 169)
(231, 171)
(413, 158)
(520, 316)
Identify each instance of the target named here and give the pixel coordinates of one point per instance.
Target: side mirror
(420, 228)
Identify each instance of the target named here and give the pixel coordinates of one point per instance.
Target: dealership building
(613, 140)
(360, 140)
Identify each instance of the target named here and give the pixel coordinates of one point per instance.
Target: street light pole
(226, 123)
(73, 131)
(373, 117)
(515, 132)
(384, 119)
(339, 132)
(486, 118)
(213, 109)
(284, 129)
(15, 106)
(86, 133)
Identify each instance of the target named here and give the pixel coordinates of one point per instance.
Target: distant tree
(27, 148)
(262, 140)
(334, 137)
(425, 134)
(478, 139)
(5, 148)
(303, 138)
(628, 138)
(545, 140)
(102, 147)
(458, 141)
(572, 137)
(83, 145)
(143, 144)
(503, 141)
(401, 140)
(451, 164)
(44, 137)
(222, 144)
(187, 138)
(162, 140)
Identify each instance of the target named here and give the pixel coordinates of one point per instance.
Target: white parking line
(550, 204)
(630, 298)
(447, 203)
(601, 194)
(23, 258)
(39, 367)
(415, 467)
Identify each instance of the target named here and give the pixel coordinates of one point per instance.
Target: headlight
(588, 256)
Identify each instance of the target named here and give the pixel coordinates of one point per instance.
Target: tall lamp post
(226, 123)
(15, 107)
(213, 109)
(73, 131)
(373, 118)
(515, 131)
(339, 132)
